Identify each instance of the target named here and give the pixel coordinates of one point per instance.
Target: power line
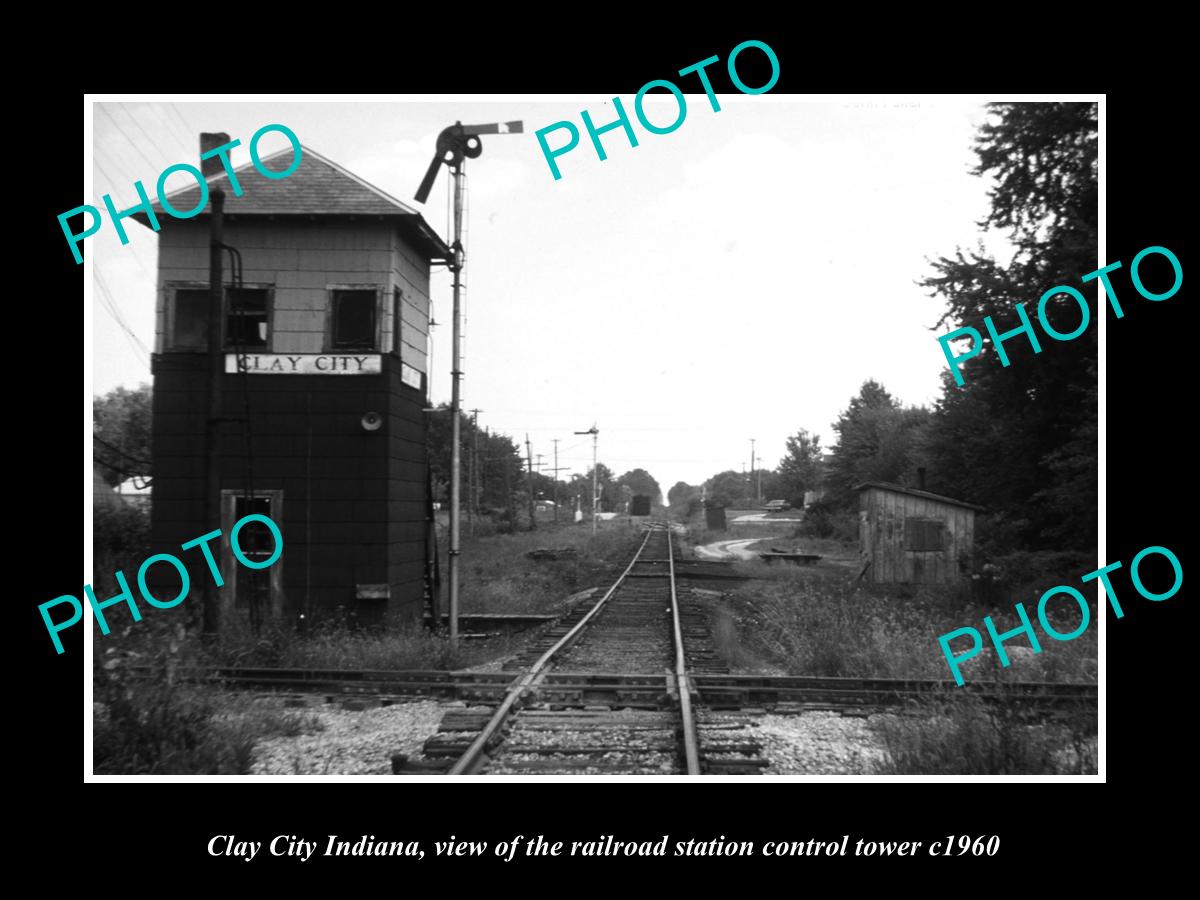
(145, 362)
(186, 139)
(140, 350)
(119, 319)
(129, 456)
(115, 182)
(154, 143)
(112, 181)
(117, 308)
(125, 134)
(175, 109)
(117, 469)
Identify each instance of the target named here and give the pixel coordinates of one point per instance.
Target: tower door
(251, 595)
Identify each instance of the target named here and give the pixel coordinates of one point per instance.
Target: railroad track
(635, 627)
(781, 694)
(629, 684)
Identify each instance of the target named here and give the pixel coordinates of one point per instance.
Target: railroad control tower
(322, 385)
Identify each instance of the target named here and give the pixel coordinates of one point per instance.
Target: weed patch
(965, 735)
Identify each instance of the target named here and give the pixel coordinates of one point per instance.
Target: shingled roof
(319, 188)
(913, 492)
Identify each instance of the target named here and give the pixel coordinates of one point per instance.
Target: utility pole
(756, 497)
(483, 464)
(529, 473)
(556, 481)
(472, 493)
(211, 615)
(455, 145)
(508, 492)
(595, 433)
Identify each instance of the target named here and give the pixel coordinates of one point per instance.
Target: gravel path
(353, 742)
(734, 549)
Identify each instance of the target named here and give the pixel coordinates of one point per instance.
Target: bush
(824, 519)
(965, 735)
(147, 723)
(1028, 574)
(164, 729)
(120, 536)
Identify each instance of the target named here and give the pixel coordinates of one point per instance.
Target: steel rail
(691, 751)
(468, 763)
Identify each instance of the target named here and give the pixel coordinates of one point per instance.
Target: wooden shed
(913, 536)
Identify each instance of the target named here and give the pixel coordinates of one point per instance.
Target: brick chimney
(212, 165)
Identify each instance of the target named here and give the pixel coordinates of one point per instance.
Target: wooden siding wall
(881, 533)
(363, 492)
(301, 259)
(411, 275)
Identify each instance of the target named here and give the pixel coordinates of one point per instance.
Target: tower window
(246, 318)
(353, 319)
(189, 327)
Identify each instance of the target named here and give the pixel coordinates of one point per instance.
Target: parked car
(777, 506)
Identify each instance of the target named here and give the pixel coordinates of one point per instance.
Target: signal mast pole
(595, 433)
(455, 145)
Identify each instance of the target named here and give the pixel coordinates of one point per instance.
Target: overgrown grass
(817, 622)
(159, 726)
(497, 577)
(401, 645)
(964, 735)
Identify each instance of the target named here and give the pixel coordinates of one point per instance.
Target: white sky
(738, 278)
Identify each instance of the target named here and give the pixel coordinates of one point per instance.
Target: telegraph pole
(508, 492)
(756, 497)
(529, 473)
(556, 481)
(595, 433)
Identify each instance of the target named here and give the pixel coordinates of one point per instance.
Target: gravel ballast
(817, 743)
(352, 743)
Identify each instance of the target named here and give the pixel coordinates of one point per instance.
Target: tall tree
(1021, 439)
(581, 486)
(878, 440)
(499, 459)
(800, 468)
(121, 429)
(728, 488)
(681, 492)
(639, 481)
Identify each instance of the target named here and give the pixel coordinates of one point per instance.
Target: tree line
(1019, 440)
(503, 479)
